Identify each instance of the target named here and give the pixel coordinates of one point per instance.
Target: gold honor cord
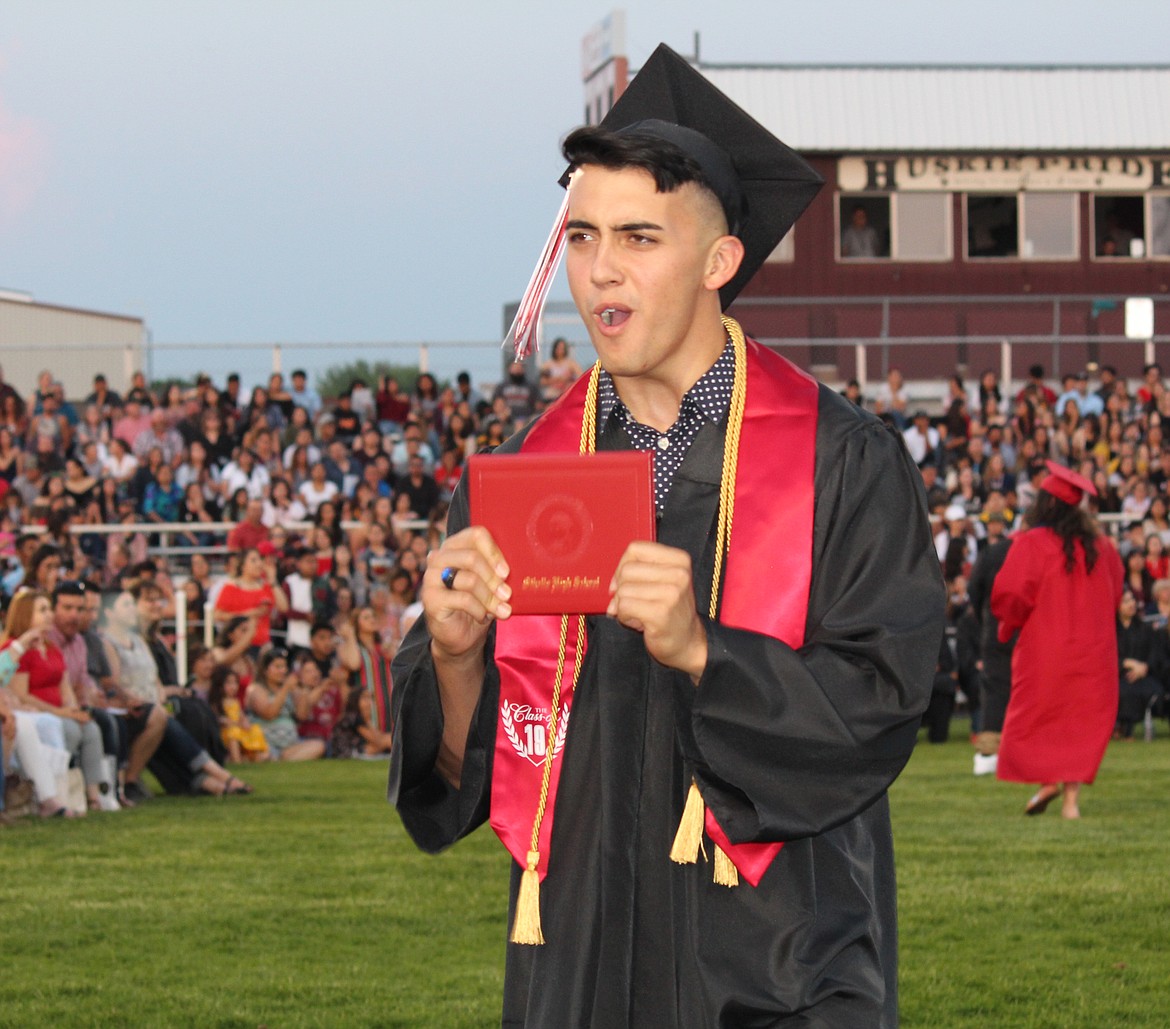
(526, 925)
(689, 838)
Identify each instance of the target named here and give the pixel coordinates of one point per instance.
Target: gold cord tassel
(725, 872)
(689, 837)
(526, 926)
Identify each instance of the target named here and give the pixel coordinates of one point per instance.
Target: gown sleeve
(788, 743)
(434, 812)
(1013, 596)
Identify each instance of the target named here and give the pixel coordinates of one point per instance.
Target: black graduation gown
(795, 745)
(996, 677)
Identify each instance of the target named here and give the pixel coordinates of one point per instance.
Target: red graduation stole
(768, 572)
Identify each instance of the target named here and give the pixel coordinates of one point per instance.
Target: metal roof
(871, 109)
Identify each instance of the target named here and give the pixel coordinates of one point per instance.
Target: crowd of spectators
(982, 459)
(333, 508)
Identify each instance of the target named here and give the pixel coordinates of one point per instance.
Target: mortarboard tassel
(726, 873)
(526, 925)
(524, 335)
(689, 838)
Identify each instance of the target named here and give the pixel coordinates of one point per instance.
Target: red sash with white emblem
(765, 590)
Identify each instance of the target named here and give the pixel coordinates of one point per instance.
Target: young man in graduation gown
(771, 721)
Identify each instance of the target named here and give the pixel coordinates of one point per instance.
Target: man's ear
(725, 258)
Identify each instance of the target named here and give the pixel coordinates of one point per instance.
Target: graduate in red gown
(1059, 589)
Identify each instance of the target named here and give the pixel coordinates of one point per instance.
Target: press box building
(964, 208)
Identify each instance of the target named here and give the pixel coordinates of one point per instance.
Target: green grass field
(305, 905)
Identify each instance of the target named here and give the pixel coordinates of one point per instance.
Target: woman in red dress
(1059, 589)
(253, 594)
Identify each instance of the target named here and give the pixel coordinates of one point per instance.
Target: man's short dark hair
(320, 627)
(70, 588)
(299, 371)
(667, 163)
(1036, 371)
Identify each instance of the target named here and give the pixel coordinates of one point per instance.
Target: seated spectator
(922, 439)
(559, 372)
(421, 488)
(1137, 686)
(1157, 559)
(299, 587)
(179, 764)
(121, 464)
(392, 405)
(246, 473)
(201, 663)
(163, 499)
(22, 752)
(1138, 580)
(216, 437)
(281, 507)
(322, 700)
(303, 395)
(318, 489)
(355, 735)
(520, 395)
(346, 421)
(42, 684)
(275, 702)
(104, 399)
(159, 435)
(132, 424)
(242, 737)
(363, 654)
(251, 532)
(254, 592)
(413, 443)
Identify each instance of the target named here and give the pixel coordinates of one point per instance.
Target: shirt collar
(710, 396)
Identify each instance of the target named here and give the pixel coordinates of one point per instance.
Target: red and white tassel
(524, 335)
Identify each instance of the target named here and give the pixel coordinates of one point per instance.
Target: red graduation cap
(1065, 484)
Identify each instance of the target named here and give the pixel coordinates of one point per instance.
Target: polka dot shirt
(706, 401)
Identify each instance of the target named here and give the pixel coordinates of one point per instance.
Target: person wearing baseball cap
(690, 774)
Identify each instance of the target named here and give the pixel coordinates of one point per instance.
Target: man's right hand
(459, 616)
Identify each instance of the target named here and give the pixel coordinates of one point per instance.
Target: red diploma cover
(563, 522)
(765, 590)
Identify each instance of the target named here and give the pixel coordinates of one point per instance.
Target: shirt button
(663, 443)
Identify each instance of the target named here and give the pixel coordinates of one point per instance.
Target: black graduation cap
(775, 184)
(764, 186)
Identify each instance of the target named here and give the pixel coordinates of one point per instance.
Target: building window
(864, 227)
(1029, 226)
(1119, 225)
(785, 251)
(993, 226)
(897, 226)
(922, 226)
(1050, 230)
(1159, 222)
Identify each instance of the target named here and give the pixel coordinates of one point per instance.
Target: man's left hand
(654, 595)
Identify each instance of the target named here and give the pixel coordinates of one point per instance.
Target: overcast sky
(247, 170)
